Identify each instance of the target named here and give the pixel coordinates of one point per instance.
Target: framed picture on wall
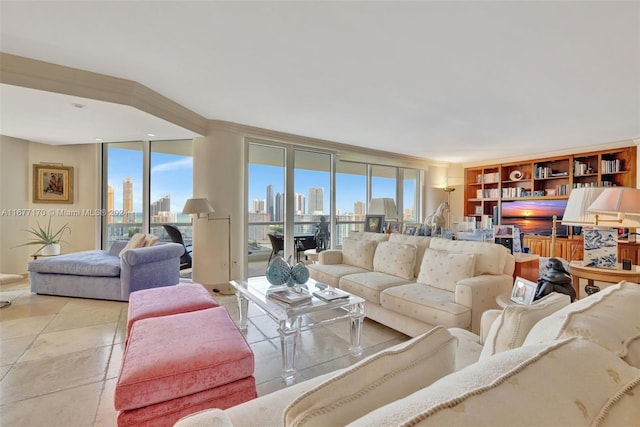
(52, 184)
(374, 223)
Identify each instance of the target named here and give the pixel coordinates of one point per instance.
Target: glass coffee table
(289, 317)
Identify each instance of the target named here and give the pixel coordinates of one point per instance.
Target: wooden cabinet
(630, 251)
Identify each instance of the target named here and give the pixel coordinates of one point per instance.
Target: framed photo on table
(374, 223)
(52, 184)
(523, 291)
(394, 226)
(410, 229)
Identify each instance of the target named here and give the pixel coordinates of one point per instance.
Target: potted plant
(49, 239)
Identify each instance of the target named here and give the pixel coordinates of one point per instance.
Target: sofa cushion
(395, 259)
(444, 269)
(570, 383)
(136, 241)
(375, 381)
(511, 327)
(610, 318)
(358, 253)
(421, 243)
(331, 274)
(368, 235)
(490, 258)
(369, 285)
(427, 304)
(86, 263)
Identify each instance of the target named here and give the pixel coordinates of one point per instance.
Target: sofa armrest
(488, 317)
(150, 267)
(331, 256)
(479, 294)
(151, 254)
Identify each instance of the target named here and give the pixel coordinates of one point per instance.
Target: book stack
(290, 297)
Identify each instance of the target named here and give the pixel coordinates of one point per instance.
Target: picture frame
(523, 291)
(503, 231)
(52, 183)
(394, 226)
(411, 229)
(374, 223)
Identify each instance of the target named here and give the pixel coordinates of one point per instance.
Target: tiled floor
(59, 357)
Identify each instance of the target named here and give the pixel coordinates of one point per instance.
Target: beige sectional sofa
(413, 283)
(577, 365)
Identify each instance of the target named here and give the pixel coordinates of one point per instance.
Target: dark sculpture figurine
(555, 279)
(322, 235)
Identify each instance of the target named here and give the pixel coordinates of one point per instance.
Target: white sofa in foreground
(577, 366)
(413, 283)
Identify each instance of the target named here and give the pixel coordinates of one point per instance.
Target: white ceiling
(451, 81)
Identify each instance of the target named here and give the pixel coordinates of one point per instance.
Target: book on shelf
(290, 297)
(330, 294)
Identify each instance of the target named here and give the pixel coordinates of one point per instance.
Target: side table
(311, 255)
(608, 275)
(527, 266)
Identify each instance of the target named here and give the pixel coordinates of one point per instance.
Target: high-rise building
(258, 206)
(161, 205)
(316, 198)
(279, 214)
(127, 200)
(269, 206)
(109, 204)
(358, 208)
(300, 201)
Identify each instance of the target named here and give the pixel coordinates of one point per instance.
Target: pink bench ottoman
(156, 302)
(182, 363)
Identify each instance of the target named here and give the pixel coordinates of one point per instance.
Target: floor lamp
(449, 190)
(197, 206)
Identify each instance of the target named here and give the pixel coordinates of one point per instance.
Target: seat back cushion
(443, 269)
(490, 258)
(570, 383)
(375, 381)
(395, 259)
(421, 242)
(610, 318)
(511, 327)
(359, 253)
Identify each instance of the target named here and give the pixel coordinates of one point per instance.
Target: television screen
(534, 216)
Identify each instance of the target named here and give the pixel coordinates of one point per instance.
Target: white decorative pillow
(385, 377)
(511, 327)
(490, 258)
(395, 259)
(358, 253)
(136, 241)
(442, 269)
(610, 318)
(150, 240)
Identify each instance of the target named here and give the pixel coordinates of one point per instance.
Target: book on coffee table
(330, 294)
(290, 297)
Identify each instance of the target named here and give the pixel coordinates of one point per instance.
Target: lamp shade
(621, 201)
(197, 206)
(577, 210)
(383, 206)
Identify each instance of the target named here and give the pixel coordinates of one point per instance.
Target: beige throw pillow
(136, 241)
(375, 381)
(358, 253)
(443, 270)
(150, 240)
(511, 327)
(395, 259)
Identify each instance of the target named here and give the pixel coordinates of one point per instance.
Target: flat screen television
(534, 216)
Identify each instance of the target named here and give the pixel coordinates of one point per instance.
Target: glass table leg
(356, 316)
(243, 310)
(289, 331)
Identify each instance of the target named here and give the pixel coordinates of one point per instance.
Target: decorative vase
(52, 249)
(279, 273)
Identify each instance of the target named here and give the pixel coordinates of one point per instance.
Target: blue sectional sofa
(106, 275)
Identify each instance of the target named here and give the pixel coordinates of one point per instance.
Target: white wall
(17, 158)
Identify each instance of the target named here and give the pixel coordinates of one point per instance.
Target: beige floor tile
(73, 319)
(20, 309)
(37, 378)
(22, 327)
(3, 371)
(68, 341)
(268, 361)
(13, 348)
(72, 407)
(107, 415)
(115, 361)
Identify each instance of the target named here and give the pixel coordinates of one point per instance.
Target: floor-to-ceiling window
(351, 199)
(146, 185)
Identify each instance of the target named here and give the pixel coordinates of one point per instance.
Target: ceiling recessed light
(151, 134)
(77, 105)
(99, 139)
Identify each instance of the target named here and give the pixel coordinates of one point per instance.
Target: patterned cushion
(375, 381)
(511, 327)
(395, 259)
(490, 258)
(610, 318)
(570, 383)
(427, 304)
(443, 269)
(421, 242)
(358, 253)
(369, 285)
